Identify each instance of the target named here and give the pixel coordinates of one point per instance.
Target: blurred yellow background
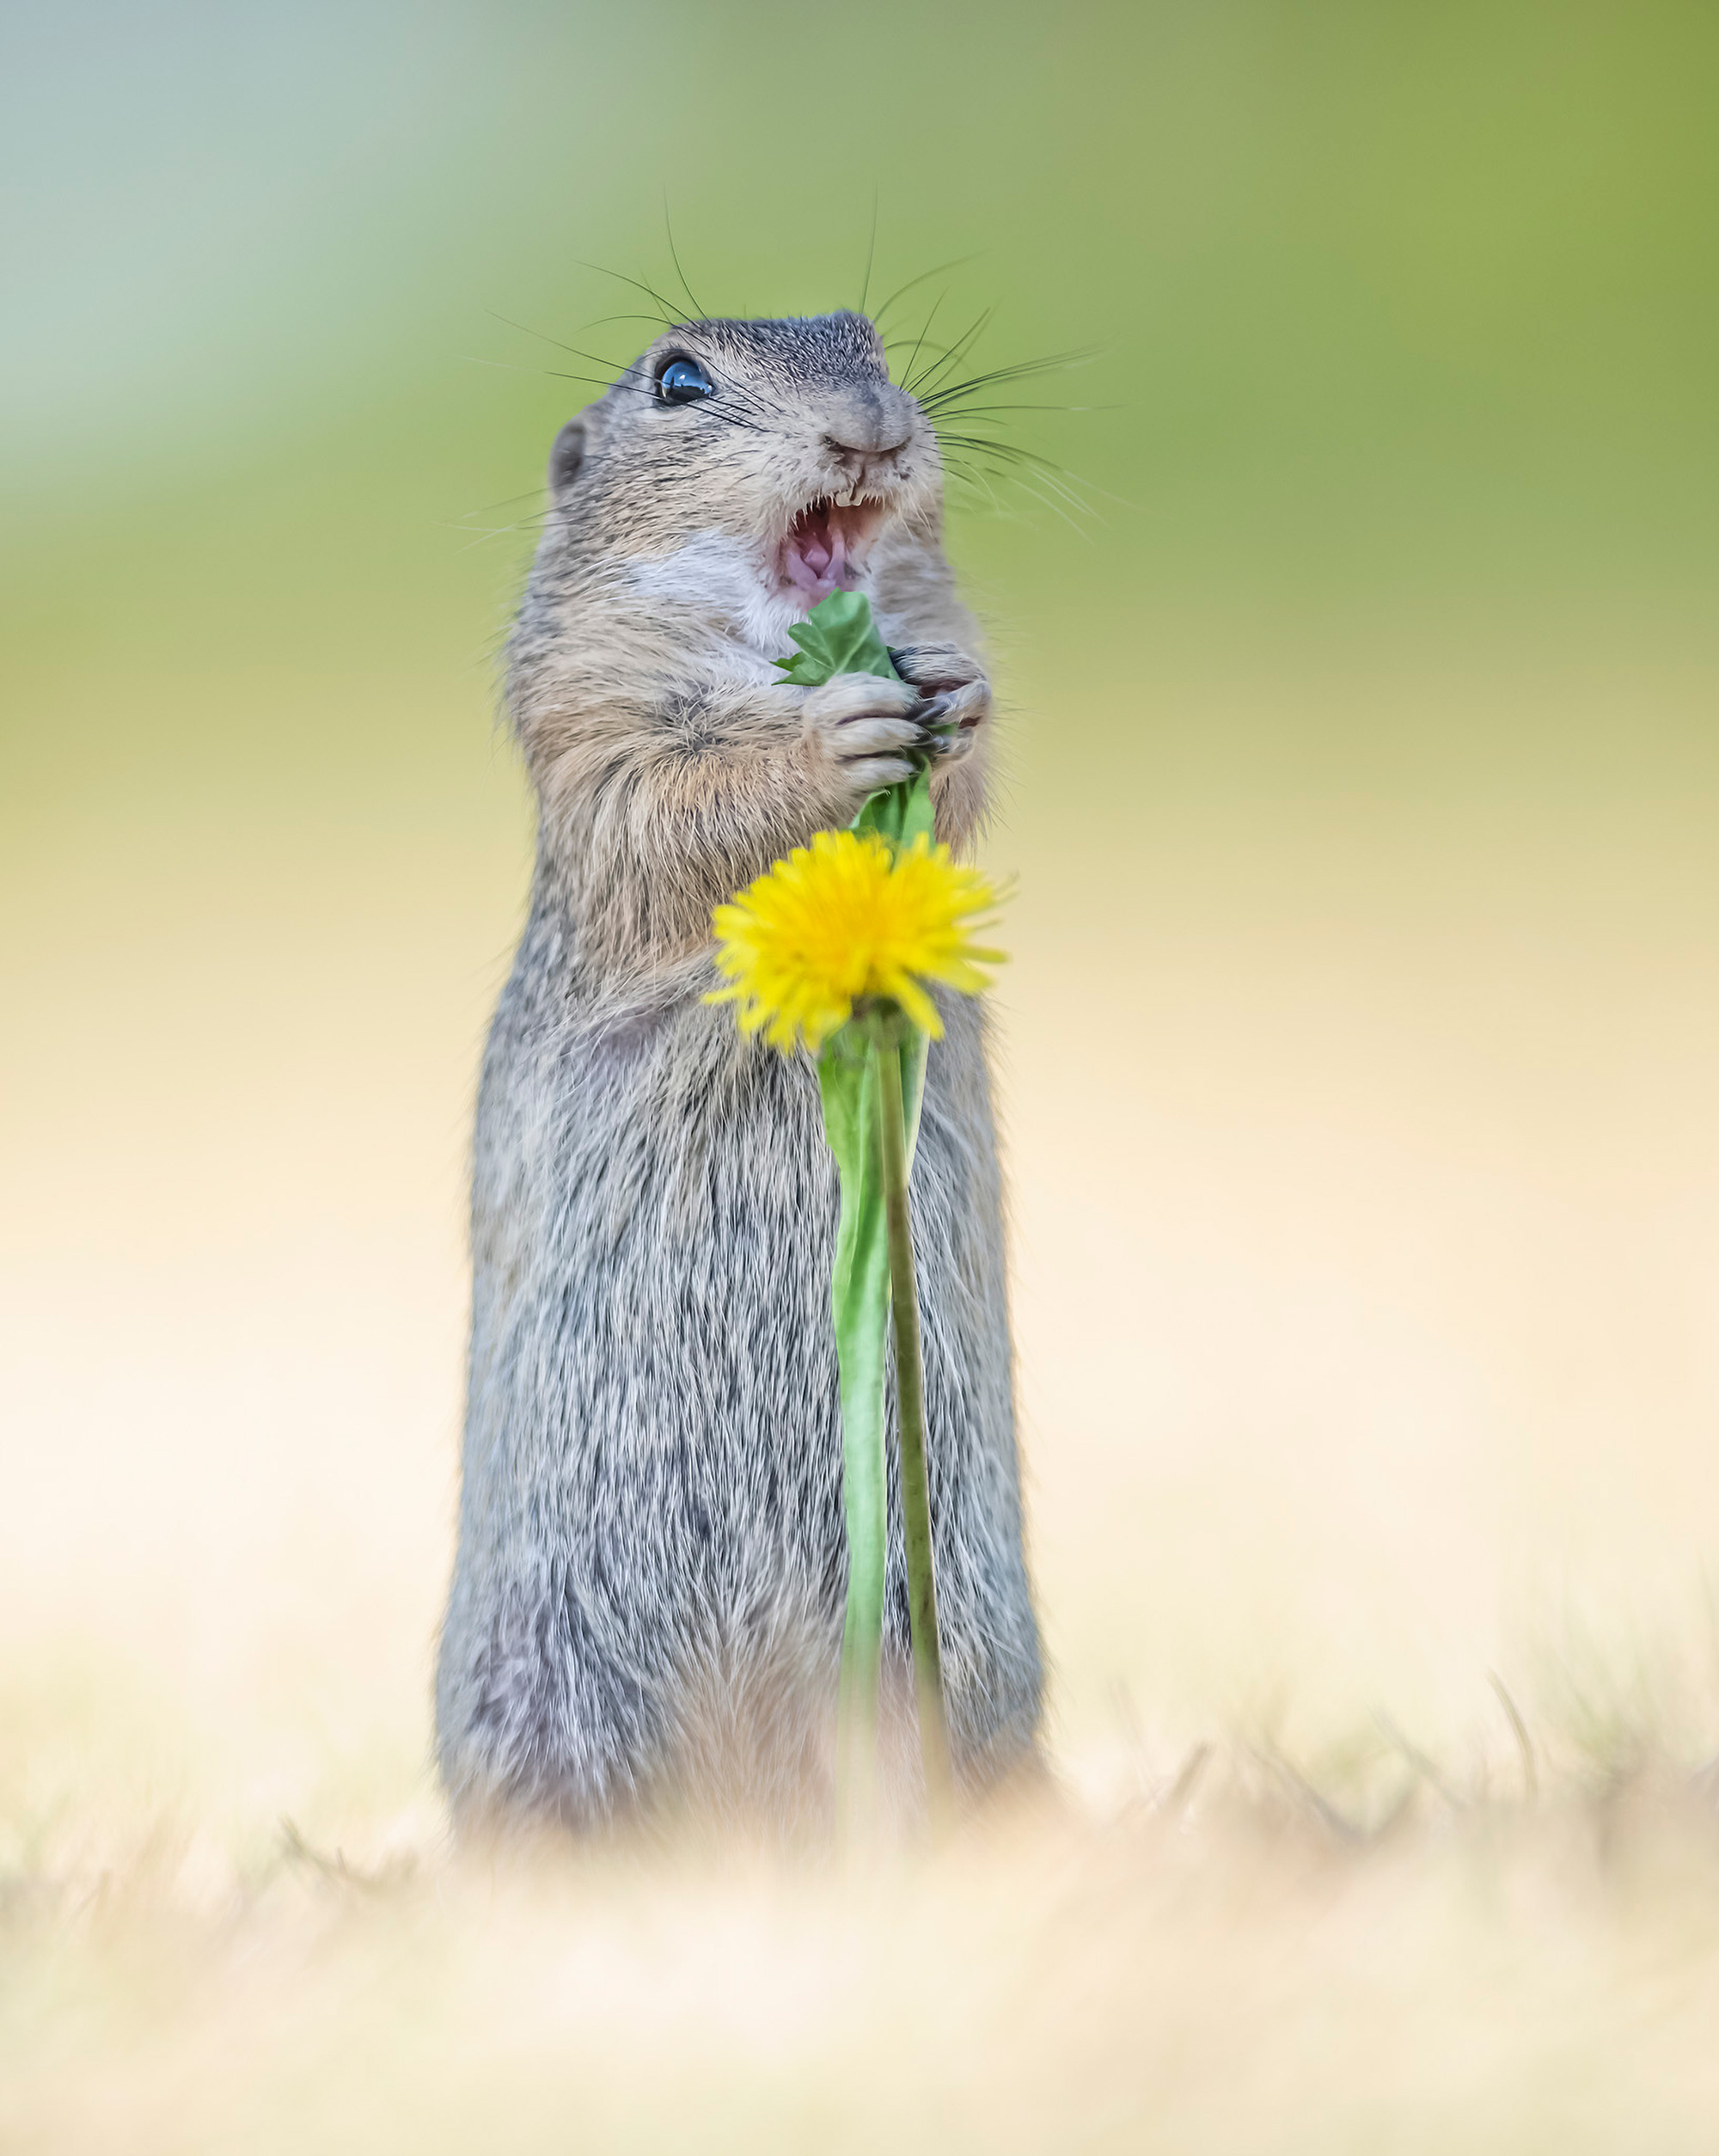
(1359, 1051)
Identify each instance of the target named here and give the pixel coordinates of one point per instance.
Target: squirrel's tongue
(815, 554)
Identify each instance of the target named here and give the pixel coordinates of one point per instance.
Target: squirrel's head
(747, 470)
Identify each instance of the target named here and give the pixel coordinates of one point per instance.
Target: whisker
(914, 283)
(674, 254)
(508, 367)
(930, 318)
(483, 538)
(669, 319)
(712, 410)
(1021, 465)
(963, 345)
(966, 475)
(1006, 453)
(643, 386)
(728, 417)
(484, 509)
(945, 357)
(894, 344)
(1019, 370)
(603, 320)
(1059, 500)
(596, 358)
(871, 252)
(1012, 454)
(980, 411)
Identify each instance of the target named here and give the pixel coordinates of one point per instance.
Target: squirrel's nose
(843, 446)
(865, 467)
(865, 434)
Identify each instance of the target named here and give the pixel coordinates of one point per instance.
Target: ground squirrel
(646, 1606)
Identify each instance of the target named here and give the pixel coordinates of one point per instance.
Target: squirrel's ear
(567, 457)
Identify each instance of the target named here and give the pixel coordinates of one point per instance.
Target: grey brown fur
(646, 1604)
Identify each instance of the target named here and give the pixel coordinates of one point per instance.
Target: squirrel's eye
(684, 381)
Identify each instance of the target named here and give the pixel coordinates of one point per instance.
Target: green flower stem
(860, 1288)
(856, 1735)
(934, 1727)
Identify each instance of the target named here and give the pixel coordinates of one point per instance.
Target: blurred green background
(1359, 1049)
(1407, 320)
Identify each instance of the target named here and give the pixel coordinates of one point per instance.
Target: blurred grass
(1358, 1058)
(1222, 1970)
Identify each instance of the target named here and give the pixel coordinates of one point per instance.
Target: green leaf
(837, 637)
(899, 813)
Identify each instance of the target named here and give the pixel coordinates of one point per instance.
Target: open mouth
(826, 547)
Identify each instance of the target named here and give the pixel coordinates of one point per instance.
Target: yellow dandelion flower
(842, 919)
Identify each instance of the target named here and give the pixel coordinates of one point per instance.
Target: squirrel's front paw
(959, 695)
(862, 727)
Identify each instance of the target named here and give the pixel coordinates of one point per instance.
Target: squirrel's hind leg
(539, 1719)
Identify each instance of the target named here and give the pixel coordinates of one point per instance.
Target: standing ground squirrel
(646, 1608)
